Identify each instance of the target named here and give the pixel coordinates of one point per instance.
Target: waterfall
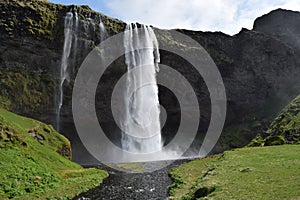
(71, 29)
(102, 29)
(141, 126)
(75, 39)
(64, 75)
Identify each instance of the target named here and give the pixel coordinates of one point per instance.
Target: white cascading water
(71, 25)
(64, 75)
(75, 38)
(141, 126)
(102, 30)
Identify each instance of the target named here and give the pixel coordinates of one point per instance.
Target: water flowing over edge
(141, 126)
(64, 75)
(71, 30)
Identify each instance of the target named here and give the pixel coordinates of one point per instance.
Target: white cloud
(228, 16)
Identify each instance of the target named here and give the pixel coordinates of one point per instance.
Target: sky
(228, 16)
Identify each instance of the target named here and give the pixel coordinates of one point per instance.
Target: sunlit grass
(32, 169)
(250, 173)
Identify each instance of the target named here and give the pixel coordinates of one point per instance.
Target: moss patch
(35, 18)
(44, 20)
(26, 92)
(284, 129)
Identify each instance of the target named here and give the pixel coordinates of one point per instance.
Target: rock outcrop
(284, 129)
(282, 25)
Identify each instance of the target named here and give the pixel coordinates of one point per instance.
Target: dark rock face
(282, 25)
(260, 69)
(260, 76)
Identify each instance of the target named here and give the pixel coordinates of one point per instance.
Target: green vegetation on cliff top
(249, 173)
(34, 162)
(43, 19)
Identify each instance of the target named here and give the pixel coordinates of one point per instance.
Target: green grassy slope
(250, 173)
(34, 162)
(284, 129)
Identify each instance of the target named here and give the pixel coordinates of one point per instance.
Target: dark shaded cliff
(282, 25)
(260, 69)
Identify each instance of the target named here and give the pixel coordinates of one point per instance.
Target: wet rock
(134, 186)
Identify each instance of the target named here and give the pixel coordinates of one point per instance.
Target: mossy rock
(258, 141)
(4, 102)
(44, 20)
(35, 18)
(274, 140)
(26, 92)
(284, 129)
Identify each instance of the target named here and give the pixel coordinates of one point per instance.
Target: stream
(136, 186)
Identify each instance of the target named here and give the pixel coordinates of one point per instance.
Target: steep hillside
(34, 162)
(284, 129)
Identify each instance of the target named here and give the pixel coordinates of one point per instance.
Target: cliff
(259, 67)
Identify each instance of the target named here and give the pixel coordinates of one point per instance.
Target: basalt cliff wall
(259, 67)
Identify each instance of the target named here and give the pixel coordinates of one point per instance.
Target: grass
(32, 168)
(249, 173)
(284, 129)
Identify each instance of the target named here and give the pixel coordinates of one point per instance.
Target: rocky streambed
(135, 185)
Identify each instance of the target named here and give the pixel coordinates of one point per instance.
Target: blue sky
(228, 16)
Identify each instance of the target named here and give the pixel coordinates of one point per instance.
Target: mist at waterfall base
(140, 127)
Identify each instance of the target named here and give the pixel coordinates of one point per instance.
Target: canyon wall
(259, 67)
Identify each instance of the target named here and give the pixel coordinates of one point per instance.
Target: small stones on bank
(34, 134)
(139, 190)
(83, 198)
(245, 170)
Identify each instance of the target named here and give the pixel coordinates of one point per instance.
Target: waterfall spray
(141, 126)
